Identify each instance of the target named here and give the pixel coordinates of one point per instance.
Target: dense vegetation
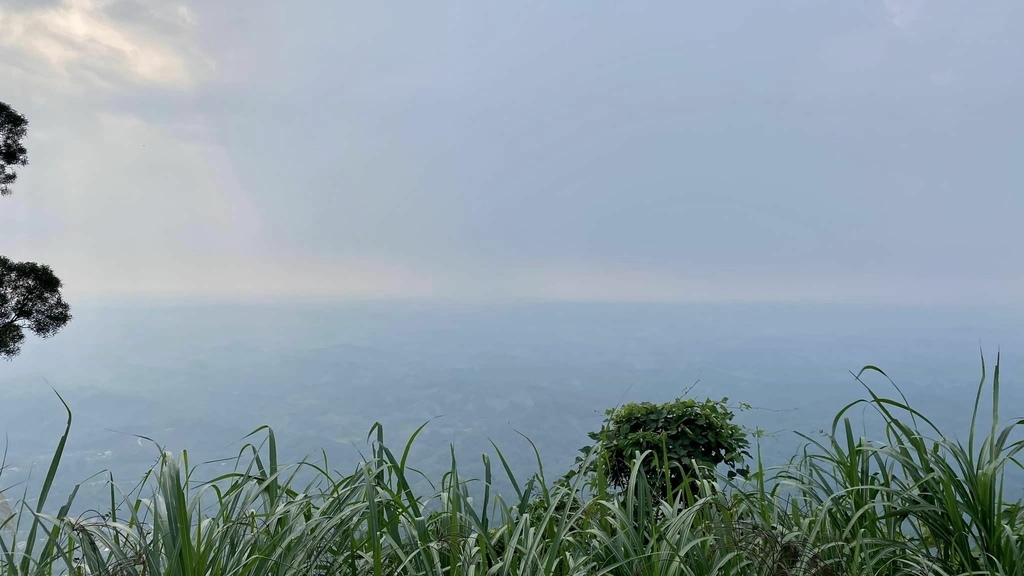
(683, 438)
(913, 502)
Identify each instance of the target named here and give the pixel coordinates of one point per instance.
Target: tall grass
(913, 501)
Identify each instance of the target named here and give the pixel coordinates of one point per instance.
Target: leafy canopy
(30, 296)
(13, 127)
(680, 434)
(30, 299)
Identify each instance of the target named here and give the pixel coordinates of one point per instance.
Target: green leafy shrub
(683, 437)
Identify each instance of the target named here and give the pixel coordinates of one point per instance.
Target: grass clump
(913, 501)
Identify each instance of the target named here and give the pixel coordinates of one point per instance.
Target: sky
(865, 152)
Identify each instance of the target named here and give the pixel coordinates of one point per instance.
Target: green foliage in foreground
(683, 436)
(914, 502)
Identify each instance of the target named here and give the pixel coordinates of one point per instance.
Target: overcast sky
(832, 151)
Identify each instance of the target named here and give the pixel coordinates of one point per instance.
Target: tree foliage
(13, 128)
(680, 434)
(30, 299)
(30, 296)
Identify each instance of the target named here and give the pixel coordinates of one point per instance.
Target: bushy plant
(679, 442)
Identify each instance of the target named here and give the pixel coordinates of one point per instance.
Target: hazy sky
(842, 151)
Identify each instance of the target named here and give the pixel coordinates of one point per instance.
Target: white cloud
(85, 41)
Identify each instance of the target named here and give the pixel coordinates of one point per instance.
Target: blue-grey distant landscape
(201, 377)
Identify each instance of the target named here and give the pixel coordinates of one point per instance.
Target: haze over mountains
(202, 376)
